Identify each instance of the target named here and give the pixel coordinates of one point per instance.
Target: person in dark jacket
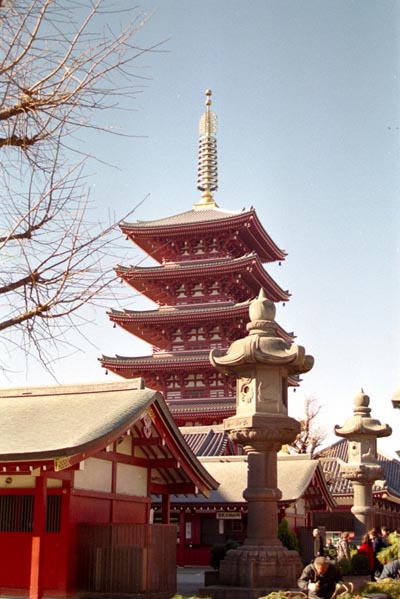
(318, 543)
(385, 532)
(377, 545)
(319, 579)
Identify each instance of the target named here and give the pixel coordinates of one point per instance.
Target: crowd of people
(319, 579)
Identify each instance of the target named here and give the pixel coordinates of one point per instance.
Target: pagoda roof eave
(201, 407)
(248, 266)
(196, 362)
(177, 269)
(179, 314)
(187, 223)
(199, 360)
(145, 324)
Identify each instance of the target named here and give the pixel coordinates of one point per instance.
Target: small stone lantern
(362, 467)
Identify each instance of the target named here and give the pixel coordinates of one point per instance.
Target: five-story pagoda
(209, 267)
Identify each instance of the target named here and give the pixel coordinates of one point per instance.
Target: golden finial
(207, 172)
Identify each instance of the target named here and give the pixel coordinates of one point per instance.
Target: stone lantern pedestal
(262, 563)
(262, 362)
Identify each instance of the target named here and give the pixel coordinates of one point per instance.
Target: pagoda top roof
(202, 220)
(199, 214)
(165, 239)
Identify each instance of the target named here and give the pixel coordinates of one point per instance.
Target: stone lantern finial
(262, 315)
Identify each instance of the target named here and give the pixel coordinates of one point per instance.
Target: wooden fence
(128, 559)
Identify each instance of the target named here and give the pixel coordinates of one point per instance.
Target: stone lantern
(262, 362)
(362, 468)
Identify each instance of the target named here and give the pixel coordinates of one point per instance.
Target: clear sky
(307, 99)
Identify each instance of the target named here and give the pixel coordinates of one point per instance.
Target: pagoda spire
(207, 170)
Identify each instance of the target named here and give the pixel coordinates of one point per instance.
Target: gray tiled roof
(295, 474)
(336, 454)
(47, 422)
(191, 216)
(206, 441)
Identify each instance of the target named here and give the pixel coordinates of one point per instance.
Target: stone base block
(260, 567)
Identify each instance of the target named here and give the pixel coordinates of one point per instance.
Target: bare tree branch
(312, 434)
(60, 63)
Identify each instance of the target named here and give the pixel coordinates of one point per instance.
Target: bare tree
(311, 434)
(61, 64)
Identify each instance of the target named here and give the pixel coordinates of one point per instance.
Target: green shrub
(345, 567)
(390, 587)
(359, 564)
(391, 552)
(219, 550)
(287, 537)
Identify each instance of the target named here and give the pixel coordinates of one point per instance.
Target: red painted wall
(15, 555)
(60, 549)
(15, 559)
(129, 511)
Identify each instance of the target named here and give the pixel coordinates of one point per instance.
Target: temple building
(209, 266)
(78, 467)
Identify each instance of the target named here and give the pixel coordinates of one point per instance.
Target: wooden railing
(133, 559)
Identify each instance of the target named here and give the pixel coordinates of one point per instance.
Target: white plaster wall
(301, 507)
(25, 481)
(95, 476)
(124, 445)
(131, 480)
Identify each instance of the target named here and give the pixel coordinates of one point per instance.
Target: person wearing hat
(319, 579)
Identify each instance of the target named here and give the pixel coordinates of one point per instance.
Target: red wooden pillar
(39, 529)
(181, 552)
(166, 509)
(68, 536)
(113, 489)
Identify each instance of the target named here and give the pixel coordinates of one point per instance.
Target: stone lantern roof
(361, 421)
(262, 345)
